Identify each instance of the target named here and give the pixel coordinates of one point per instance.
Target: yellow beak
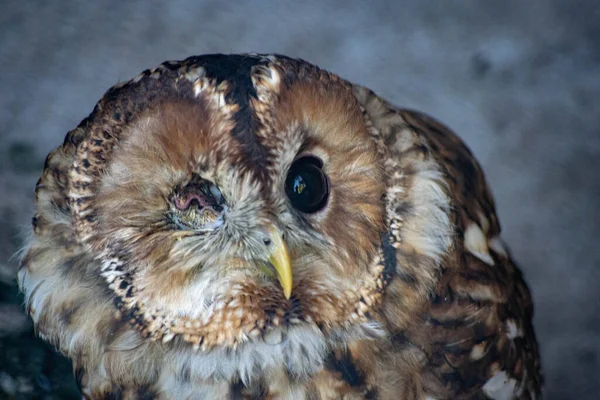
(280, 259)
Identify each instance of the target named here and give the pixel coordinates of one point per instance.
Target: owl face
(233, 202)
(250, 226)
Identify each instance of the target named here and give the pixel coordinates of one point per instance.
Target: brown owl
(254, 227)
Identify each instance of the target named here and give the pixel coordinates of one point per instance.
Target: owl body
(251, 226)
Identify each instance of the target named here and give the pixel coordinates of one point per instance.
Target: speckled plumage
(402, 285)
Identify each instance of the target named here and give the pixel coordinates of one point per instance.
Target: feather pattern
(402, 287)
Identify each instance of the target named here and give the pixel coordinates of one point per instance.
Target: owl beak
(280, 260)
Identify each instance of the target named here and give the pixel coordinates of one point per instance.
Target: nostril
(267, 241)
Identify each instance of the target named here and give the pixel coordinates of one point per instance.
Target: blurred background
(518, 80)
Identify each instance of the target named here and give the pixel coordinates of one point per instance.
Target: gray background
(518, 80)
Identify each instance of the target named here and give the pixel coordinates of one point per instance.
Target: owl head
(223, 196)
(231, 222)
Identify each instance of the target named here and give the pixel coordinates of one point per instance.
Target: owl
(254, 227)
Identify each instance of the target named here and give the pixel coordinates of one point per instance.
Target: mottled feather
(402, 286)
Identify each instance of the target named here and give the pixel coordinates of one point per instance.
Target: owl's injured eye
(306, 185)
(197, 205)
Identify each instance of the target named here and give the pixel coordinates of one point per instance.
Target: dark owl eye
(306, 185)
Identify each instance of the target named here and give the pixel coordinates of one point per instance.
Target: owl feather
(252, 226)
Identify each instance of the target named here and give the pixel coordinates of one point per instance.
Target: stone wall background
(519, 81)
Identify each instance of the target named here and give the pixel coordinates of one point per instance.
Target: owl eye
(306, 185)
(197, 205)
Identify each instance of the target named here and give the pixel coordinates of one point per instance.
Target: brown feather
(402, 287)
